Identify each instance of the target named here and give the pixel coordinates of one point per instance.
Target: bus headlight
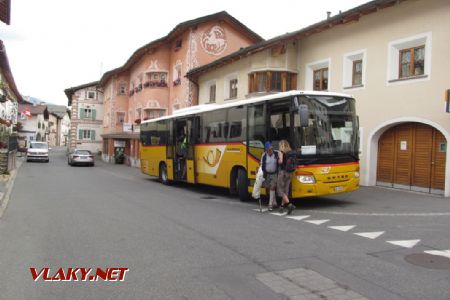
(356, 174)
(306, 179)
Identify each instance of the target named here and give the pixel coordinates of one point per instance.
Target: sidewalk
(6, 185)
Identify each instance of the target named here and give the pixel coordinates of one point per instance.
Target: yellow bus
(221, 145)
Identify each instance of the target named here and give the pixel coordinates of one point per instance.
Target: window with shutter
(93, 135)
(80, 134)
(82, 113)
(93, 114)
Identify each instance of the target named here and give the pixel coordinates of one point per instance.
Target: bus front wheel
(242, 185)
(163, 178)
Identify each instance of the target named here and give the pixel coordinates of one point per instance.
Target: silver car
(38, 151)
(81, 157)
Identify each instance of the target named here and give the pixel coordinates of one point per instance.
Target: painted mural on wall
(191, 63)
(214, 40)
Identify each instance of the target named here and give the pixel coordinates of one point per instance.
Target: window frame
(91, 98)
(348, 74)
(229, 93)
(316, 65)
(212, 96)
(233, 92)
(153, 113)
(322, 79)
(118, 115)
(122, 90)
(87, 113)
(262, 81)
(411, 51)
(354, 72)
(393, 65)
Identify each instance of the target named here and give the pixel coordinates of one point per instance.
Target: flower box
(177, 82)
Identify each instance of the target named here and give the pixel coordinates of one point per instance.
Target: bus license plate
(338, 188)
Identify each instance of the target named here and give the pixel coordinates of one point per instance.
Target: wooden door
(412, 156)
(423, 141)
(385, 167)
(438, 161)
(403, 154)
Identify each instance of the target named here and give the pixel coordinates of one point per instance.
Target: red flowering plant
(177, 82)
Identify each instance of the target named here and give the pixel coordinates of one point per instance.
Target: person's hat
(267, 145)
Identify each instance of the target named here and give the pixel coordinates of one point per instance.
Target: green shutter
(80, 134)
(93, 114)
(82, 113)
(93, 135)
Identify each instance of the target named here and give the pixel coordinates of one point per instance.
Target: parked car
(81, 157)
(38, 151)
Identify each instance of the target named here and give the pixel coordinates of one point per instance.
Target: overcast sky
(56, 44)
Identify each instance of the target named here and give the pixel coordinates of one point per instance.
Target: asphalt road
(190, 242)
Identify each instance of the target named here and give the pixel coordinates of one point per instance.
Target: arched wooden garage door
(412, 156)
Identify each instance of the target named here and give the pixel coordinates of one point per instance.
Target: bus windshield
(332, 127)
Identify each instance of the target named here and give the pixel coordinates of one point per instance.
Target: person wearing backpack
(287, 164)
(269, 166)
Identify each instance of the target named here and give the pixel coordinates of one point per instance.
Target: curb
(4, 199)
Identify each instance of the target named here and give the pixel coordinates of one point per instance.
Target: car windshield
(83, 152)
(38, 146)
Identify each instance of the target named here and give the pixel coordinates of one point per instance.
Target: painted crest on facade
(214, 40)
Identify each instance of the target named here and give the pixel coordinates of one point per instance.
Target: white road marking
(278, 214)
(343, 213)
(370, 235)
(445, 253)
(263, 210)
(317, 222)
(297, 218)
(405, 243)
(343, 228)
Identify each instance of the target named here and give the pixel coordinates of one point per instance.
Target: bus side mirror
(304, 115)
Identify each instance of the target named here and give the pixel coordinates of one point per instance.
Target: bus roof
(210, 107)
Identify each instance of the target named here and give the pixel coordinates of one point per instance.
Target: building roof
(348, 16)
(174, 33)
(5, 11)
(33, 109)
(6, 70)
(57, 110)
(70, 91)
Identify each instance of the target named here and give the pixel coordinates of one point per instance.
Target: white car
(38, 151)
(81, 157)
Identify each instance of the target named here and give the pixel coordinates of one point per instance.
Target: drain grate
(208, 197)
(429, 261)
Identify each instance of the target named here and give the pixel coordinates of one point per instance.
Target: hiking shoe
(290, 208)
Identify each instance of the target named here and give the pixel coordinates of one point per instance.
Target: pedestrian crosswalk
(347, 228)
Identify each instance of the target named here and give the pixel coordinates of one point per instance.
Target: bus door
(170, 152)
(256, 137)
(184, 141)
(278, 119)
(192, 130)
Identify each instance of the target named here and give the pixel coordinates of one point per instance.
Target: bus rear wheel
(242, 185)
(163, 178)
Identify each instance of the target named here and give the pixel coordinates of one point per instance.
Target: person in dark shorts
(284, 178)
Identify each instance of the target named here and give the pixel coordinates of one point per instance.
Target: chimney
(328, 14)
